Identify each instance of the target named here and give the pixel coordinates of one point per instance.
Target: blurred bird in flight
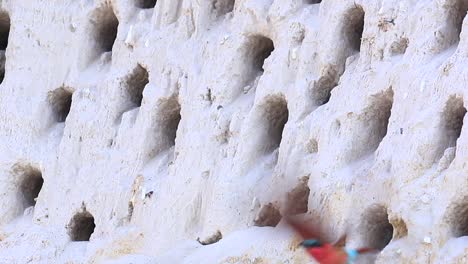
(322, 251)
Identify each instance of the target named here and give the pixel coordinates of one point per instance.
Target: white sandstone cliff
(144, 126)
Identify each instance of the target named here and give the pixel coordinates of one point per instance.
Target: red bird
(324, 253)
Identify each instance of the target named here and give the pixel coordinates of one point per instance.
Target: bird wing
(341, 242)
(365, 250)
(336, 257)
(304, 230)
(309, 229)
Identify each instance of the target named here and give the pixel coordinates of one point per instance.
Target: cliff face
(176, 131)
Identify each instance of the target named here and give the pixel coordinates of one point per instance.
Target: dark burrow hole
(212, 239)
(375, 121)
(380, 112)
(354, 26)
(30, 185)
(298, 198)
(275, 114)
(60, 100)
(166, 125)
(106, 28)
(81, 226)
(4, 30)
(146, 3)
(258, 48)
(268, 215)
(262, 49)
(4, 34)
(458, 15)
(377, 230)
(170, 116)
(459, 219)
(222, 7)
(310, 2)
(135, 85)
(452, 118)
(321, 90)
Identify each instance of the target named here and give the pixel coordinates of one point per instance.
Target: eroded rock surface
(130, 128)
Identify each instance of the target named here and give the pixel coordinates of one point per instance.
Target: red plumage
(325, 252)
(328, 254)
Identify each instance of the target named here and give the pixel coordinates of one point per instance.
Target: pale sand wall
(175, 130)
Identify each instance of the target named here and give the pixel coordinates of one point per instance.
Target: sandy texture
(150, 131)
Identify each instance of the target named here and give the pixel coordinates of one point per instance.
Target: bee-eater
(321, 251)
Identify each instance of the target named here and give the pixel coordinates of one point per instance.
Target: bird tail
(364, 250)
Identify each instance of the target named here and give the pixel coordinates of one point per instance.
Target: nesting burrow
(452, 124)
(257, 50)
(275, 114)
(262, 47)
(60, 101)
(135, 84)
(4, 34)
(375, 229)
(171, 120)
(167, 123)
(212, 239)
(268, 215)
(311, 2)
(81, 226)
(222, 7)
(105, 29)
(375, 120)
(458, 218)
(298, 198)
(379, 114)
(353, 27)
(321, 91)
(457, 15)
(30, 184)
(4, 29)
(146, 4)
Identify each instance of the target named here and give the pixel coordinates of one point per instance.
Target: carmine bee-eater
(321, 251)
